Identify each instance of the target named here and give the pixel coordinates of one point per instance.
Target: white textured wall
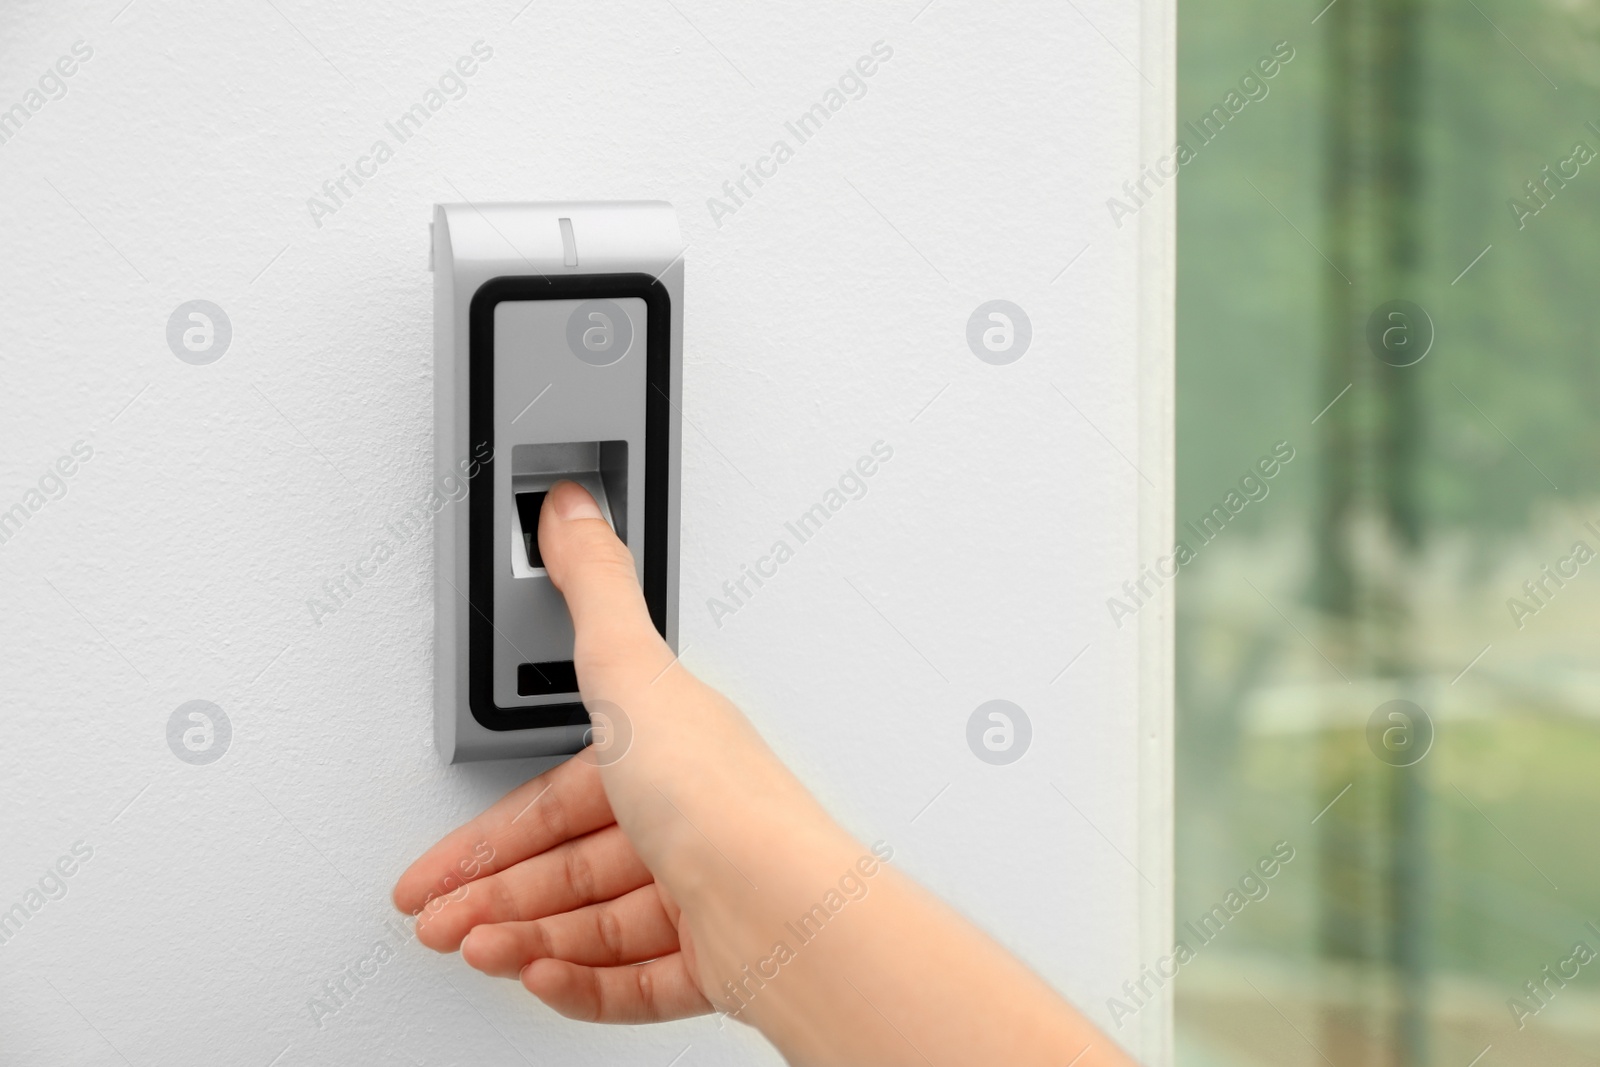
(825, 314)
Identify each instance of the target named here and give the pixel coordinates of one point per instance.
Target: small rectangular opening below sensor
(546, 679)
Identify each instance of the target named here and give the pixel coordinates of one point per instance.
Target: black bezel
(480, 432)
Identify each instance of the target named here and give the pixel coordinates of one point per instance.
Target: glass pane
(1388, 525)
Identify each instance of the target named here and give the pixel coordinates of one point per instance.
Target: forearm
(927, 987)
(839, 959)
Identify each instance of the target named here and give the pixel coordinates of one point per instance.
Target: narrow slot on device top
(569, 244)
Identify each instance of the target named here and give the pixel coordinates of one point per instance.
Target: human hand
(666, 879)
(577, 892)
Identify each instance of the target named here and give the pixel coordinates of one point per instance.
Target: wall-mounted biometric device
(558, 337)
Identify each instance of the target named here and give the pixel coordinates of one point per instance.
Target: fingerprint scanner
(528, 505)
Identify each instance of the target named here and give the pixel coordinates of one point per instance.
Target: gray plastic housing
(558, 340)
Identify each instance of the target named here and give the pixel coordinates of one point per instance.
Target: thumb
(614, 637)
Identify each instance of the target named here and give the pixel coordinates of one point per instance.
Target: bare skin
(687, 871)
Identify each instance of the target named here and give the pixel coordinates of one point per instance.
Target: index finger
(566, 801)
(615, 646)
